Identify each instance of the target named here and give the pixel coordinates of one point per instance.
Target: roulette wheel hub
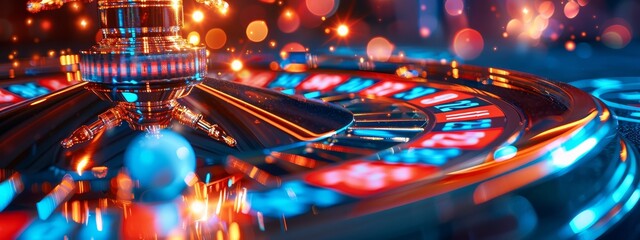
(144, 65)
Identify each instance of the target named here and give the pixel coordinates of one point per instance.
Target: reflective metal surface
(143, 65)
(325, 152)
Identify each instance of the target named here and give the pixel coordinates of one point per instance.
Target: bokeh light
(234, 231)
(321, 8)
(193, 38)
(583, 2)
(197, 208)
(532, 22)
(197, 16)
(514, 7)
(616, 36)
(289, 21)
(236, 65)
(83, 23)
(216, 38)
(546, 9)
(379, 48)
(159, 164)
(425, 32)
(514, 27)
(224, 8)
(538, 25)
(454, 7)
(583, 50)
(571, 9)
(342, 30)
(307, 18)
(570, 46)
(257, 31)
(75, 7)
(45, 25)
(468, 43)
(291, 47)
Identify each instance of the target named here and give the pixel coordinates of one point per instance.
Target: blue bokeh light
(160, 164)
(291, 199)
(8, 191)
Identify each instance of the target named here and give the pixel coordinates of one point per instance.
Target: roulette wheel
(303, 146)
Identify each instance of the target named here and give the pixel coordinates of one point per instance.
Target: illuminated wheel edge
(600, 123)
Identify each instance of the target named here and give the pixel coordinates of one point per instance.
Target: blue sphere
(159, 163)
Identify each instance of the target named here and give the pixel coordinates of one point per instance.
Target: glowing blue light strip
(576, 147)
(373, 133)
(9, 189)
(598, 92)
(562, 157)
(505, 153)
(632, 200)
(312, 94)
(597, 83)
(582, 223)
(626, 119)
(624, 187)
(289, 91)
(583, 220)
